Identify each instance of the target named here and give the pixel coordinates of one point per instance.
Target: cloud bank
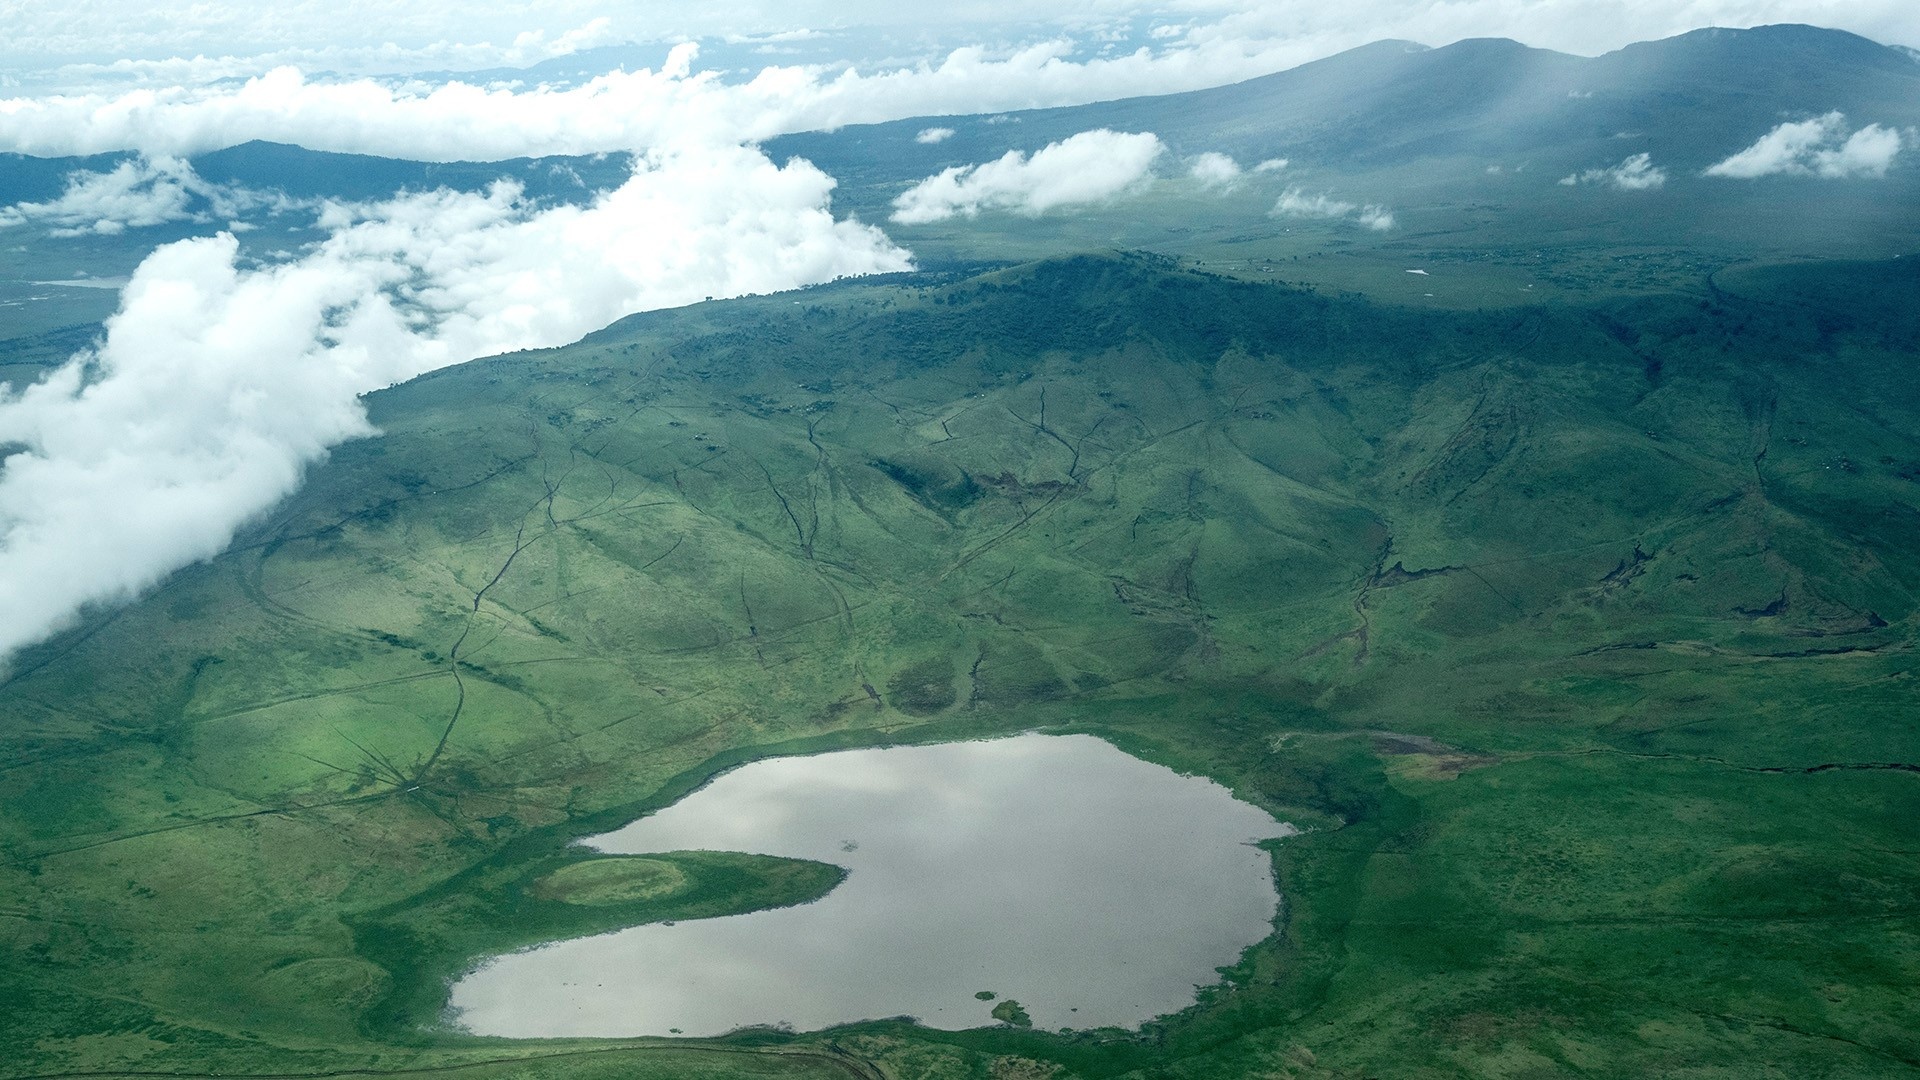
(620, 111)
(1296, 203)
(138, 194)
(218, 381)
(1091, 167)
(1636, 173)
(377, 35)
(627, 110)
(1214, 170)
(1818, 147)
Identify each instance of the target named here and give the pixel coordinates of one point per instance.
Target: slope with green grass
(1579, 636)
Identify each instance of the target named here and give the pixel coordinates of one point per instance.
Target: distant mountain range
(1474, 147)
(1689, 100)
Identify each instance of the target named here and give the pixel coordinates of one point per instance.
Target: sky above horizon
(185, 41)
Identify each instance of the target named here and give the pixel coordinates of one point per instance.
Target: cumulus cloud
(535, 44)
(626, 110)
(1214, 170)
(1091, 167)
(218, 381)
(622, 110)
(371, 35)
(1377, 218)
(933, 135)
(137, 194)
(1817, 147)
(1636, 173)
(1271, 165)
(1296, 203)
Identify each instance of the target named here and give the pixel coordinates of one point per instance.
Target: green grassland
(1579, 637)
(517, 902)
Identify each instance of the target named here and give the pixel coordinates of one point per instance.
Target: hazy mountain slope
(313, 174)
(1694, 99)
(1484, 153)
(1582, 636)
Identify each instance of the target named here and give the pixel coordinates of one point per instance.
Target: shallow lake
(1092, 887)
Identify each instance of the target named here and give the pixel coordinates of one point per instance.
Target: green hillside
(1580, 637)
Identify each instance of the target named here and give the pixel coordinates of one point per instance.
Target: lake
(1094, 888)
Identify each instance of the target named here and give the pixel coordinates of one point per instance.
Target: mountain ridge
(1388, 102)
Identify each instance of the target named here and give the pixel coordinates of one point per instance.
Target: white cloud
(623, 110)
(639, 109)
(137, 194)
(529, 45)
(368, 35)
(778, 37)
(1296, 203)
(1091, 167)
(933, 135)
(1215, 170)
(1816, 147)
(1271, 165)
(217, 383)
(618, 111)
(1377, 218)
(1636, 173)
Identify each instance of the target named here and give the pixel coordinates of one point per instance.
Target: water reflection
(1092, 887)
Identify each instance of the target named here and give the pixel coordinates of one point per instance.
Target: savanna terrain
(1577, 633)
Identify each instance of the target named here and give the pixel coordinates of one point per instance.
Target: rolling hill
(1580, 636)
(1565, 589)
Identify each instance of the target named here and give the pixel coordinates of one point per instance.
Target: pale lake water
(1094, 888)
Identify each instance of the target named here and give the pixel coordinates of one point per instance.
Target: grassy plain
(1579, 637)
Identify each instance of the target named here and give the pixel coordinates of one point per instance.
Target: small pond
(1093, 888)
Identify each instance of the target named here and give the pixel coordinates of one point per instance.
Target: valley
(1576, 634)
